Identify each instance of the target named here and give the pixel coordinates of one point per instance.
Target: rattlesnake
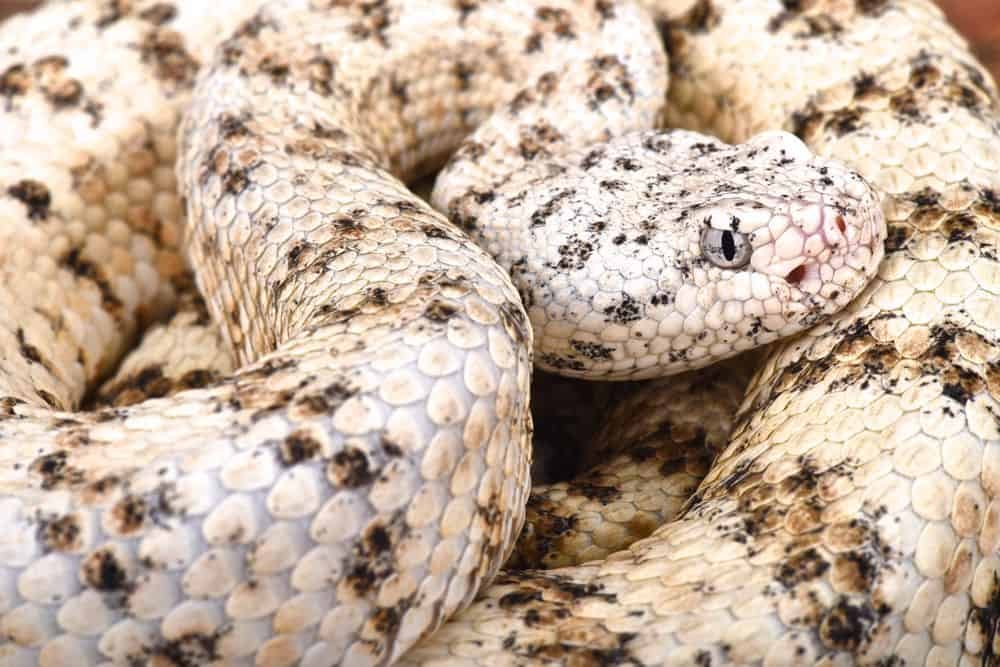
(865, 456)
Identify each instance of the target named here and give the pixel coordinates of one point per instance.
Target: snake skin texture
(852, 519)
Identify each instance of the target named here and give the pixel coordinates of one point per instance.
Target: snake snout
(827, 250)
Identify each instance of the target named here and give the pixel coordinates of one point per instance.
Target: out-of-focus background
(978, 20)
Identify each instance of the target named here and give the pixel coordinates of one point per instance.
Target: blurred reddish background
(978, 20)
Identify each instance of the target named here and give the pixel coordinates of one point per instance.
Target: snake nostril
(841, 225)
(796, 275)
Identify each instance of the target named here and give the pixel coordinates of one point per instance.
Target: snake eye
(725, 248)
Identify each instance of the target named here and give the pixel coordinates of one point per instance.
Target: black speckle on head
(597, 226)
(706, 148)
(625, 311)
(469, 151)
(377, 296)
(533, 43)
(465, 8)
(232, 125)
(164, 50)
(319, 71)
(550, 360)
(543, 213)
(605, 9)
(601, 94)
(662, 299)
(483, 197)
(606, 63)
(346, 223)
(592, 158)
(58, 88)
(159, 13)
(559, 21)
(574, 253)
(112, 11)
(374, 23)
(254, 26)
(592, 350)
(14, 81)
(235, 180)
(627, 164)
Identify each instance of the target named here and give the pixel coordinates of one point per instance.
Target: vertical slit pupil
(728, 246)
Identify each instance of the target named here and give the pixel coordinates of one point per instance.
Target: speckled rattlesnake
(853, 515)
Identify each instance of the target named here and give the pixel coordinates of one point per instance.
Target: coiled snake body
(363, 472)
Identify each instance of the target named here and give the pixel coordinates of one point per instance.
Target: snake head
(658, 252)
(800, 239)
